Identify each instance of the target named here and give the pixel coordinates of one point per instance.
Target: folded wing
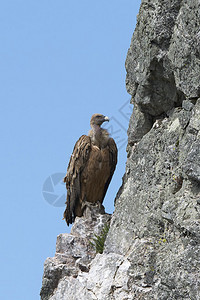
(72, 179)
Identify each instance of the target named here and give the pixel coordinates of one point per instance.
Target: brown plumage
(90, 169)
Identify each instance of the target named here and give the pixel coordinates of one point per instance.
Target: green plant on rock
(99, 240)
(177, 143)
(162, 241)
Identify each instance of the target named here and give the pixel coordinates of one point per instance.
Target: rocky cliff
(152, 250)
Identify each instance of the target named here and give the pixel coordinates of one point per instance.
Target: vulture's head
(98, 119)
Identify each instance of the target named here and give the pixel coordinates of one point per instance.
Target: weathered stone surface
(153, 246)
(140, 123)
(186, 36)
(73, 254)
(156, 223)
(105, 272)
(150, 77)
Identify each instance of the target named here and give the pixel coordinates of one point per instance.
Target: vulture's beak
(106, 119)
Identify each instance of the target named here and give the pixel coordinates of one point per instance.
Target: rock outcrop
(152, 249)
(74, 253)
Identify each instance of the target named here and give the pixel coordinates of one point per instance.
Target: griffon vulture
(90, 169)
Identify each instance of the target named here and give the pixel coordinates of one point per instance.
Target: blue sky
(61, 61)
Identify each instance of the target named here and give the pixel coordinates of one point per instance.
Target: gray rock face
(74, 254)
(156, 224)
(153, 246)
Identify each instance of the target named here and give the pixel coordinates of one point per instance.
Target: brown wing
(76, 165)
(112, 162)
